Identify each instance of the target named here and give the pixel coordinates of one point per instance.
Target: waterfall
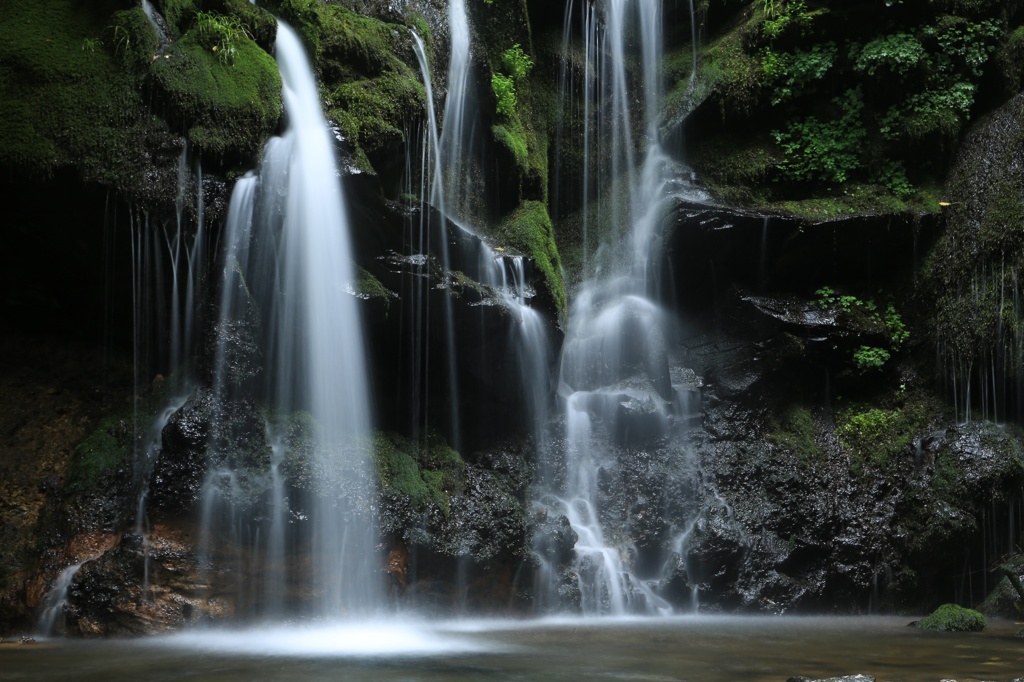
(615, 354)
(56, 599)
(455, 141)
(448, 153)
(288, 256)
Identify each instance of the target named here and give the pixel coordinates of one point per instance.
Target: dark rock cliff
(837, 325)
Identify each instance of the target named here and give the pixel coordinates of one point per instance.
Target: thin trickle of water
(56, 599)
(447, 153)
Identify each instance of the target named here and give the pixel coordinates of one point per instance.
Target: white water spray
(615, 351)
(288, 254)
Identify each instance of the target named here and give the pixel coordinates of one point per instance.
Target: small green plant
(91, 44)
(122, 40)
(867, 357)
(784, 15)
(505, 92)
(870, 357)
(893, 176)
(941, 109)
(826, 151)
(796, 433)
(220, 34)
(870, 434)
(898, 333)
(789, 73)
(516, 62)
(966, 42)
(897, 54)
(517, 65)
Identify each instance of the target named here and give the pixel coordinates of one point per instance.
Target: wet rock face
(815, 521)
(206, 435)
(144, 586)
(466, 558)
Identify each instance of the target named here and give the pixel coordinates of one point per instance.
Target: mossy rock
(796, 432)
(229, 108)
(953, 618)
(104, 451)
(529, 230)
(363, 66)
(71, 77)
(423, 475)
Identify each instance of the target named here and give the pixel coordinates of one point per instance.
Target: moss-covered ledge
(229, 106)
(94, 87)
(529, 230)
(363, 63)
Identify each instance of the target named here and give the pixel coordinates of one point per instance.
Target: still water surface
(704, 649)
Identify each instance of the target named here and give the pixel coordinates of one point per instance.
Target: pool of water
(705, 649)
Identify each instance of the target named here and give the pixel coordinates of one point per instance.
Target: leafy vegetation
(788, 73)
(893, 55)
(826, 150)
(870, 357)
(865, 314)
(517, 65)
(849, 100)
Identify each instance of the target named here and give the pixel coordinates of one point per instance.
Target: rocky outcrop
(784, 449)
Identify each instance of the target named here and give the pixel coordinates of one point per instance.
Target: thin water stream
(708, 649)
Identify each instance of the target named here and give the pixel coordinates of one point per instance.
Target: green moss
(953, 618)
(104, 451)
(373, 111)
(1002, 226)
(858, 199)
(1011, 59)
(426, 475)
(736, 168)
(529, 230)
(363, 64)
(422, 28)
(880, 435)
(229, 109)
(369, 287)
(64, 105)
(734, 75)
(177, 13)
(797, 433)
(514, 141)
(870, 434)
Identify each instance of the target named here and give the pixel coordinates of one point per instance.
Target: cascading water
(455, 141)
(289, 263)
(446, 158)
(614, 379)
(55, 600)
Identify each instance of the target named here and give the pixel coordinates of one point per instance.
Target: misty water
(709, 649)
